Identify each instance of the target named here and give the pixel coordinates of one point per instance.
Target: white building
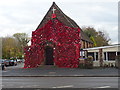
(105, 54)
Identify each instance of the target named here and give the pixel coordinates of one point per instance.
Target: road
(60, 82)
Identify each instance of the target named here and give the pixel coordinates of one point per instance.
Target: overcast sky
(18, 16)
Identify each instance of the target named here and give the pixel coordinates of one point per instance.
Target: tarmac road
(60, 82)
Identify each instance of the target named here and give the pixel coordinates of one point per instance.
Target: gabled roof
(63, 18)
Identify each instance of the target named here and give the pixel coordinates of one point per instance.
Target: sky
(23, 16)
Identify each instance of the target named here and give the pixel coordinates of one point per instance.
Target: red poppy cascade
(65, 41)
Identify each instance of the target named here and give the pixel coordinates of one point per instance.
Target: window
(111, 55)
(96, 56)
(82, 53)
(91, 54)
(118, 53)
(105, 56)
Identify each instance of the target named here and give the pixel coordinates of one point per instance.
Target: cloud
(11, 2)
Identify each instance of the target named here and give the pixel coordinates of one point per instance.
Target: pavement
(51, 71)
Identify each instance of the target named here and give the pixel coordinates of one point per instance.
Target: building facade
(56, 41)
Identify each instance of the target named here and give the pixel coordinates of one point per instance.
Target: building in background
(105, 55)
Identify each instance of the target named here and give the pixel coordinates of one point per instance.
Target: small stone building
(56, 41)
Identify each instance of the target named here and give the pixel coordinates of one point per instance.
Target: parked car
(20, 60)
(23, 60)
(2, 64)
(1, 61)
(13, 62)
(7, 63)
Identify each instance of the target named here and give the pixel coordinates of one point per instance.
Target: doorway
(49, 55)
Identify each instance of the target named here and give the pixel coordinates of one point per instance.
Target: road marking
(78, 75)
(104, 87)
(4, 71)
(21, 86)
(63, 86)
(52, 72)
(37, 89)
